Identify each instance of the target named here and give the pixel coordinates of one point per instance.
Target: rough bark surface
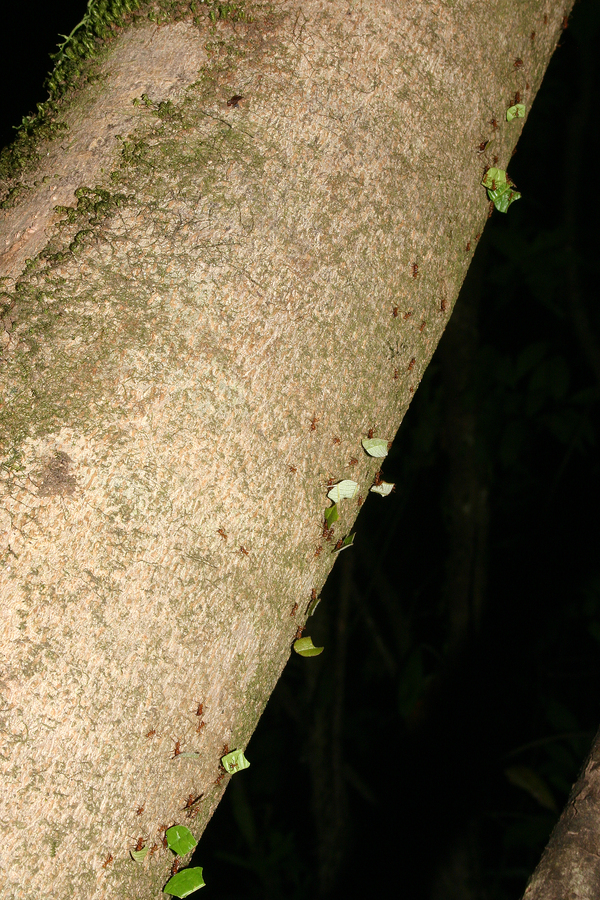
(194, 348)
(570, 866)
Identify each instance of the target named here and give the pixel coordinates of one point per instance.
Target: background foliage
(436, 739)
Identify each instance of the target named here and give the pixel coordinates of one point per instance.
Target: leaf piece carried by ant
(139, 855)
(331, 515)
(499, 189)
(234, 762)
(180, 839)
(383, 488)
(375, 447)
(305, 647)
(314, 602)
(344, 543)
(185, 882)
(344, 490)
(515, 112)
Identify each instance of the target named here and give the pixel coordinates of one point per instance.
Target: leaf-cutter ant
(422, 326)
(140, 810)
(221, 531)
(407, 315)
(395, 312)
(313, 423)
(411, 364)
(294, 608)
(518, 64)
(468, 247)
(318, 551)
(177, 749)
(353, 461)
(370, 433)
(336, 441)
(151, 733)
(292, 469)
(140, 844)
(298, 634)
(415, 270)
(107, 861)
(235, 101)
(175, 866)
(517, 97)
(244, 551)
(200, 709)
(396, 375)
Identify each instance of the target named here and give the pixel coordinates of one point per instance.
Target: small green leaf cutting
(139, 855)
(234, 762)
(331, 515)
(185, 882)
(344, 490)
(384, 488)
(180, 839)
(499, 189)
(347, 542)
(515, 112)
(312, 606)
(375, 447)
(305, 647)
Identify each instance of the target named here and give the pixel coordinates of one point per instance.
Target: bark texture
(193, 345)
(570, 866)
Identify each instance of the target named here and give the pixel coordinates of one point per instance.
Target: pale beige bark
(204, 356)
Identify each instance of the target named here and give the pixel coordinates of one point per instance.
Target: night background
(435, 741)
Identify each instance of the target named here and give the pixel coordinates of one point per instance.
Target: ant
(493, 188)
(313, 423)
(294, 608)
(336, 441)
(298, 634)
(396, 375)
(395, 312)
(424, 323)
(220, 778)
(360, 500)
(377, 479)
(494, 124)
(407, 315)
(244, 551)
(339, 544)
(328, 532)
(517, 98)
(175, 867)
(292, 469)
(177, 749)
(200, 709)
(564, 24)
(153, 849)
(532, 37)
(518, 63)
(468, 247)
(353, 461)
(140, 810)
(415, 270)
(140, 844)
(318, 551)
(313, 595)
(201, 725)
(225, 750)
(370, 433)
(411, 364)
(235, 101)
(482, 146)
(151, 733)
(443, 301)
(495, 160)
(222, 533)
(108, 860)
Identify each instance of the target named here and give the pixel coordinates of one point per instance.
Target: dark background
(435, 741)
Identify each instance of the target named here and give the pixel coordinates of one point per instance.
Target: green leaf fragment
(234, 762)
(528, 780)
(139, 855)
(180, 839)
(515, 112)
(345, 543)
(331, 515)
(375, 447)
(305, 647)
(384, 488)
(494, 178)
(499, 189)
(502, 199)
(344, 490)
(185, 882)
(312, 606)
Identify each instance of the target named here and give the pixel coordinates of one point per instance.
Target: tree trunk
(570, 866)
(274, 217)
